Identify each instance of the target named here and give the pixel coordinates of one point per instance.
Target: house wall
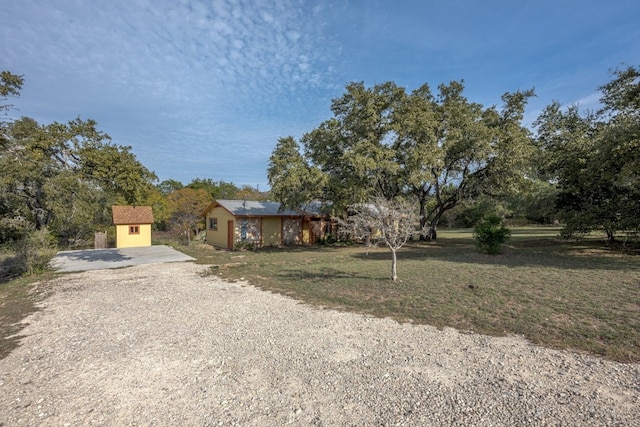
(126, 240)
(306, 231)
(218, 237)
(292, 231)
(252, 231)
(271, 231)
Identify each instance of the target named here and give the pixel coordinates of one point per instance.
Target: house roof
(132, 215)
(255, 208)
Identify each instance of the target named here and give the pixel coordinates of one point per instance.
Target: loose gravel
(166, 345)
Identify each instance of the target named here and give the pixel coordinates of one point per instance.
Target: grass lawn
(582, 295)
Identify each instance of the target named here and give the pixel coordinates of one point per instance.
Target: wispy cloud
(194, 65)
(205, 87)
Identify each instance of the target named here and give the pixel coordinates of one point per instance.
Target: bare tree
(382, 221)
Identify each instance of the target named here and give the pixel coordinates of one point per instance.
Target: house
(133, 225)
(233, 223)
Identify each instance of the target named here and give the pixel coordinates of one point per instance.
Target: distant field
(579, 295)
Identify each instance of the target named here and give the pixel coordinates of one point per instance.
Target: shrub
(490, 234)
(33, 253)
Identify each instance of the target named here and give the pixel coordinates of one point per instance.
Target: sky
(204, 88)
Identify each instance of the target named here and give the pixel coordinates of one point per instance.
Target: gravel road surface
(164, 345)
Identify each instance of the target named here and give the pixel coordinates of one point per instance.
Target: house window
(213, 224)
(134, 229)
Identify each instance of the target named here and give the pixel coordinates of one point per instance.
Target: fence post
(100, 241)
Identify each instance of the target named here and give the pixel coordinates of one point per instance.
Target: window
(213, 224)
(134, 229)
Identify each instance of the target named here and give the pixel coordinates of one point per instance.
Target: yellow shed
(133, 225)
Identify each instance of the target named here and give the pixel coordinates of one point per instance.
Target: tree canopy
(63, 176)
(385, 142)
(593, 157)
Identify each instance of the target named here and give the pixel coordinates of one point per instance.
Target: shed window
(213, 224)
(134, 229)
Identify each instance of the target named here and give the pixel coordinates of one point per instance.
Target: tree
(10, 85)
(247, 192)
(63, 176)
(354, 148)
(454, 149)
(168, 186)
(382, 141)
(186, 205)
(593, 158)
(382, 221)
(293, 182)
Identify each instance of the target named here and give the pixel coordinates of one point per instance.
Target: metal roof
(254, 208)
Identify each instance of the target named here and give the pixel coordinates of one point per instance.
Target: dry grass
(578, 295)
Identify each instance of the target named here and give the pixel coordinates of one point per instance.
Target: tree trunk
(394, 265)
(611, 236)
(423, 216)
(432, 233)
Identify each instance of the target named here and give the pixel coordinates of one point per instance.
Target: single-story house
(231, 223)
(133, 225)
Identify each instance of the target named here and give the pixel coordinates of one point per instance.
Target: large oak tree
(384, 142)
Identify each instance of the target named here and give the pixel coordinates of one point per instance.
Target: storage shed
(133, 225)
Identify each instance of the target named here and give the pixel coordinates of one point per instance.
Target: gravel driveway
(164, 345)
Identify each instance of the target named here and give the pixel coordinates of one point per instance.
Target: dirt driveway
(167, 345)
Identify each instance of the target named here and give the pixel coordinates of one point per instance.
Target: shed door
(230, 234)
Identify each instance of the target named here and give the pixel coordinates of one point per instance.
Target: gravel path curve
(164, 345)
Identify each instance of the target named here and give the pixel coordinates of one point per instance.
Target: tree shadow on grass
(326, 273)
(524, 253)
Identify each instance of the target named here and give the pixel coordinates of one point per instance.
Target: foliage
(216, 189)
(388, 222)
(458, 149)
(594, 158)
(63, 177)
(293, 182)
(490, 235)
(167, 186)
(437, 150)
(535, 202)
(32, 253)
(10, 85)
(247, 192)
(186, 206)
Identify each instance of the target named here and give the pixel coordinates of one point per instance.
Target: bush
(490, 234)
(32, 253)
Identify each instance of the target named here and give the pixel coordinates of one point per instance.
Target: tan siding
(272, 231)
(218, 238)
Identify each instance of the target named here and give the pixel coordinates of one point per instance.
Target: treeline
(460, 161)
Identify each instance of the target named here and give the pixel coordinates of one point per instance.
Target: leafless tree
(381, 221)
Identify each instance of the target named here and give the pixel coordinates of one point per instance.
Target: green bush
(490, 234)
(33, 253)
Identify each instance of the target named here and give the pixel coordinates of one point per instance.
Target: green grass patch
(570, 295)
(18, 299)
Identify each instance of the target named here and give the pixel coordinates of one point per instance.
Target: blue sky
(204, 88)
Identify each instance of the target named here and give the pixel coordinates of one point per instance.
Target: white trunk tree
(381, 221)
